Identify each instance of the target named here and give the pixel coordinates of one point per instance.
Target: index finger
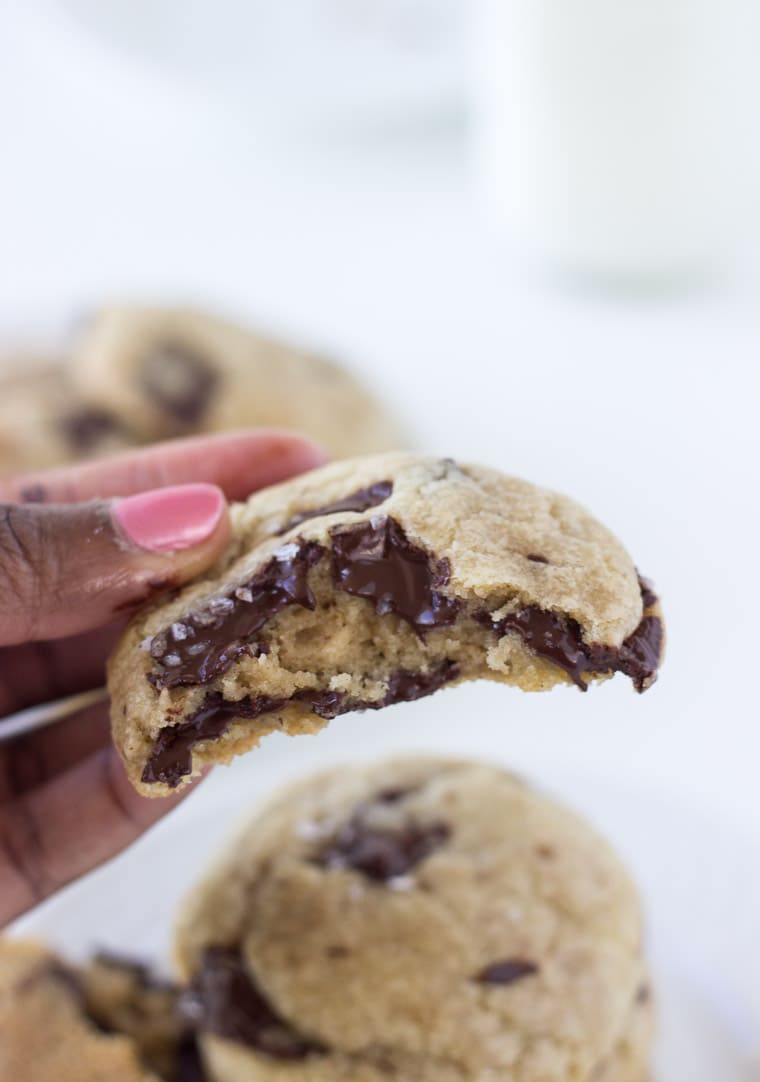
(238, 462)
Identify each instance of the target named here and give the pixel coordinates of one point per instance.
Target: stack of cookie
(136, 375)
(418, 920)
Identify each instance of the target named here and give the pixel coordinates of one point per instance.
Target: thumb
(69, 568)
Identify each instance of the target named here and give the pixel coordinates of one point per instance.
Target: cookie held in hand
(420, 920)
(369, 582)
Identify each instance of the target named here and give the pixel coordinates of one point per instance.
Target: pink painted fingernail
(167, 519)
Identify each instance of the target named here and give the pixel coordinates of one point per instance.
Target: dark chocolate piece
(377, 561)
(189, 1065)
(374, 560)
(394, 796)
(405, 687)
(361, 500)
(171, 757)
(560, 639)
(536, 559)
(205, 643)
(337, 950)
(224, 999)
(181, 381)
(638, 657)
(507, 971)
(648, 597)
(381, 854)
(557, 638)
(88, 427)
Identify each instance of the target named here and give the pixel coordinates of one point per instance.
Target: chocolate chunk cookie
(43, 422)
(169, 372)
(45, 1031)
(424, 921)
(367, 583)
(110, 1020)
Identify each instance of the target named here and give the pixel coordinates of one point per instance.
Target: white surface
(117, 182)
(323, 61)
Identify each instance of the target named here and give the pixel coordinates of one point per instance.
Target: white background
(120, 180)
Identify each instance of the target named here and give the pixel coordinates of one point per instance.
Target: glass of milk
(617, 138)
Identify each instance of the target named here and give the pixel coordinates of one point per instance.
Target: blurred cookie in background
(136, 375)
(43, 422)
(424, 920)
(172, 371)
(110, 1019)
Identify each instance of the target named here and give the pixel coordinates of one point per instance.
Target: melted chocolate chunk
(377, 561)
(204, 644)
(507, 971)
(181, 380)
(189, 1066)
(551, 636)
(357, 501)
(403, 687)
(536, 559)
(224, 999)
(638, 657)
(381, 854)
(648, 597)
(86, 428)
(171, 757)
(559, 639)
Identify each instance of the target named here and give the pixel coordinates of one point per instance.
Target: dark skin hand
(76, 555)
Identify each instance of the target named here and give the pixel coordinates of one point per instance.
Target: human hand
(79, 547)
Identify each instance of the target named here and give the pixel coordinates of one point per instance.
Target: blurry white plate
(316, 59)
(700, 881)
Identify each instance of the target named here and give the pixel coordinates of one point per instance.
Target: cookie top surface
(43, 422)
(417, 919)
(368, 582)
(46, 1032)
(170, 371)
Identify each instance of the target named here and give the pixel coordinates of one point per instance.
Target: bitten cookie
(370, 582)
(168, 372)
(109, 1020)
(44, 423)
(420, 920)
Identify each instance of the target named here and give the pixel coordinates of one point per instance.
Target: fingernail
(168, 519)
